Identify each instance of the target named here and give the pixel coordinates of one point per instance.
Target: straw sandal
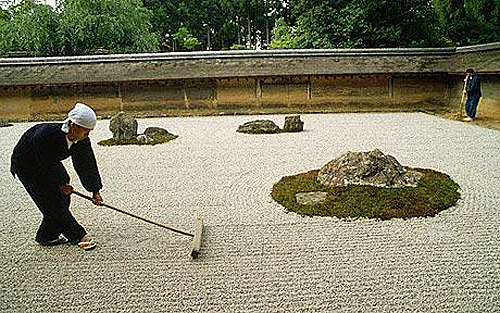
(87, 244)
(58, 241)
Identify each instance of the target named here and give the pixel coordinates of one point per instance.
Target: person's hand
(66, 189)
(97, 199)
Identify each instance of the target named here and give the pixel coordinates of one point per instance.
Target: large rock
(259, 127)
(367, 168)
(293, 124)
(123, 126)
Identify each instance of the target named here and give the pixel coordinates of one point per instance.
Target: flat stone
(311, 198)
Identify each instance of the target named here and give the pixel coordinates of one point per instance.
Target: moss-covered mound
(153, 140)
(435, 192)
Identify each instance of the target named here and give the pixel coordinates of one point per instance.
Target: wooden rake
(197, 236)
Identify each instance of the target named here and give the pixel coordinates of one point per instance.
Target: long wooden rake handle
(462, 109)
(135, 216)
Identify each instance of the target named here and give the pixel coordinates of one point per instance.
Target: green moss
(158, 139)
(434, 193)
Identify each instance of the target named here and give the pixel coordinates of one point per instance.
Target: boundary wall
(249, 81)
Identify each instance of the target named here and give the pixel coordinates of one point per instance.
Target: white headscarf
(81, 115)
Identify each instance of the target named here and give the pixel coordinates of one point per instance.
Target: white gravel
(255, 256)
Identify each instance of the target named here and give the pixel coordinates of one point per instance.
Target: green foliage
(282, 36)
(78, 27)
(435, 192)
(87, 26)
(238, 47)
(466, 22)
(365, 24)
(128, 26)
(185, 40)
(411, 23)
(343, 27)
(31, 29)
(4, 17)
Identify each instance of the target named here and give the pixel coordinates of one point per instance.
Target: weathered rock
(259, 127)
(293, 124)
(143, 138)
(156, 131)
(311, 198)
(367, 168)
(123, 126)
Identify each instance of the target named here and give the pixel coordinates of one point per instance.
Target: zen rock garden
(354, 185)
(367, 184)
(124, 128)
(292, 124)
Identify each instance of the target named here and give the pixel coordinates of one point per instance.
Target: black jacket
(38, 155)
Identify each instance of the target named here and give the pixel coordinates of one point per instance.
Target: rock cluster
(292, 124)
(367, 168)
(124, 127)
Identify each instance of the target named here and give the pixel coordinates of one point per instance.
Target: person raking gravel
(36, 160)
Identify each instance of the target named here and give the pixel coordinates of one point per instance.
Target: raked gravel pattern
(256, 257)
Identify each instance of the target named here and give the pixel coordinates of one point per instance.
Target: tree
(167, 18)
(409, 23)
(185, 41)
(486, 17)
(282, 36)
(468, 22)
(331, 24)
(30, 30)
(118, 26)
(365, 24)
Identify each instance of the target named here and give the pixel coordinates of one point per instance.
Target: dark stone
(293, 124)
(259, 127)
(156, 131)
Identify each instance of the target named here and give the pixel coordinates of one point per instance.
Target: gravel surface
(256, 257)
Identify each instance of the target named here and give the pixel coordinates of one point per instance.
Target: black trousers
(57, 218)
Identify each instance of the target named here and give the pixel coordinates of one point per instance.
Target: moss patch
(435, 192)
(157, 139)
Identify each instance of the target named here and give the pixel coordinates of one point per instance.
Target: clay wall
(249, 81)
